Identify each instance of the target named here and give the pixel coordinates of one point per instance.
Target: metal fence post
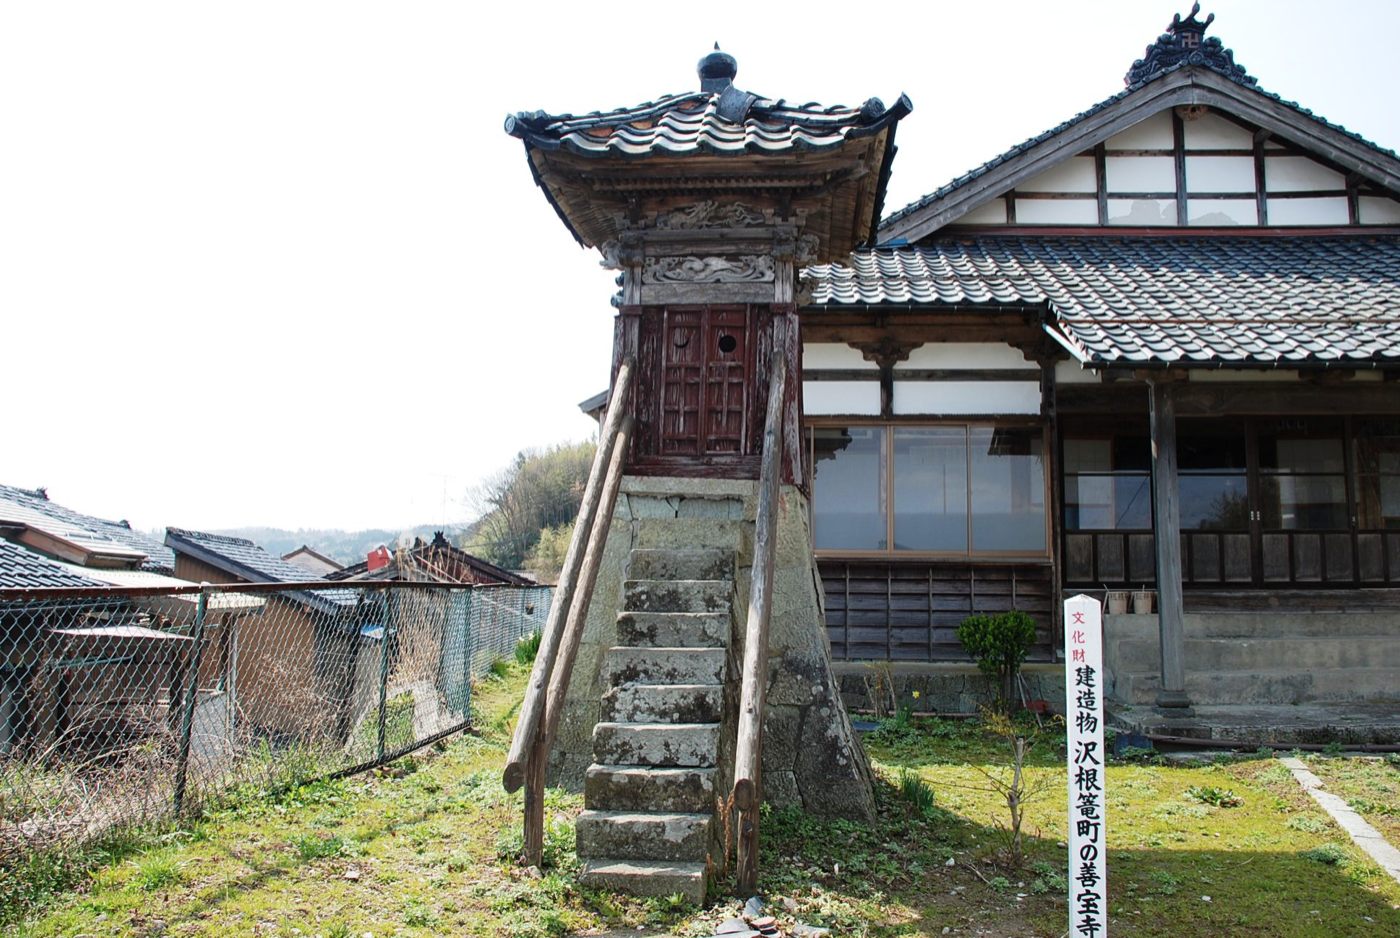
(384, 670)
(189, 698)
(468, 650)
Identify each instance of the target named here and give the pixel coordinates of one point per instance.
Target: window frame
(889, 426)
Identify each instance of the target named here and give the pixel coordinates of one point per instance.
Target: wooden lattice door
(705, 378)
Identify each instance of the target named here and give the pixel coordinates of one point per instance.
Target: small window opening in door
(727, 344)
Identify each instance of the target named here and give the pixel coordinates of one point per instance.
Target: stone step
(677, 595)
(1225, 654)
(1277, 686)
(648, 788)
(643, 835)
(657, 563)
(629, 665)
(674, 629)
(646, 878)
(693, 534)
(664, 703)
(1275, 624)
(666, 744)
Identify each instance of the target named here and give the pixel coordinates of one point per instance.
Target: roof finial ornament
(717, 70)
(1191, 30)
(1184, 43)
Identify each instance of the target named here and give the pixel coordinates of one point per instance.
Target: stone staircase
(650, 824)
(1262, 657)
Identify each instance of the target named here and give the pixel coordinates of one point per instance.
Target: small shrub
(1327, 854)
(156, 872)
(499, 669)
(1219, 797)
(527, 648)
(917, 792)
(999, 644)
(1392, 759)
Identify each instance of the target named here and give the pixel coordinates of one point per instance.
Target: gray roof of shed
(23, 568)
(246, 560)
(35, 505)
(1154, 301)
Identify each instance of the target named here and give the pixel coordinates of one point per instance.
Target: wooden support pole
(534, 802)
(532, 709)
(1166, 525)
(748, 749)
(577, 615)
(583, 595)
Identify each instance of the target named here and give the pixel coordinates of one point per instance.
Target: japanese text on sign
(1088, 879)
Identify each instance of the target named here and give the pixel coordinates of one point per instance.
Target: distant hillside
(345, 547)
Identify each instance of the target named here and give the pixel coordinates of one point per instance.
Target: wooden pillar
(1166, 526)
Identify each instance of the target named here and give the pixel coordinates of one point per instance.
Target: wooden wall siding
(1223, 558)
(1207, 169)
(911, 611)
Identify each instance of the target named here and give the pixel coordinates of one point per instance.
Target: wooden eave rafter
(588, 192)
(1188, 87)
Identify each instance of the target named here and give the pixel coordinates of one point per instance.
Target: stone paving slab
(1363, 834)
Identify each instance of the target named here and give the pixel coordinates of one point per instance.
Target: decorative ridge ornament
(1184, 42)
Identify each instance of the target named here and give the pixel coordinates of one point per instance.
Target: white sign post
(1088, 850)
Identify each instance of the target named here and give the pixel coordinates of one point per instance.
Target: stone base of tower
(811, 757)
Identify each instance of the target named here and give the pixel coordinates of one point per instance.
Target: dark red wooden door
(706, 368)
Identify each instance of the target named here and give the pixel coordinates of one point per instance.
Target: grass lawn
(424, 847)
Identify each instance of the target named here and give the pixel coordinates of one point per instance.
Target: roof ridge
(191, 534)
(1243, 80)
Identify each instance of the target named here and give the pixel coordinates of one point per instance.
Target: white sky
(277, 262)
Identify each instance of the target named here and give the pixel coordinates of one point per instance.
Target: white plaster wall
(818, 355)
(1222, 212)
(993, 213)
(1213, 132)
(1072, 373)
(965, 355)
(841, 397)
(1219, 174)
(966, 397)
(1298, 174)
(1151, 133)
(1374, 211)
(1075, 174)
(1057, 212)
(1140, 174)
(1308, 211)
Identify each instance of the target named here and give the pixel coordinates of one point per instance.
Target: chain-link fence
(120, 706)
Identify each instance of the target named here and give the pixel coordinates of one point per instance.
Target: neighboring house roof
(1156, 301)
(437, 561)
(23, 568)
(114, 540)
(313, 560)
(240, 557)
(1167, 76)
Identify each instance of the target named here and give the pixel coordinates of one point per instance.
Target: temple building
(1153, 349)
